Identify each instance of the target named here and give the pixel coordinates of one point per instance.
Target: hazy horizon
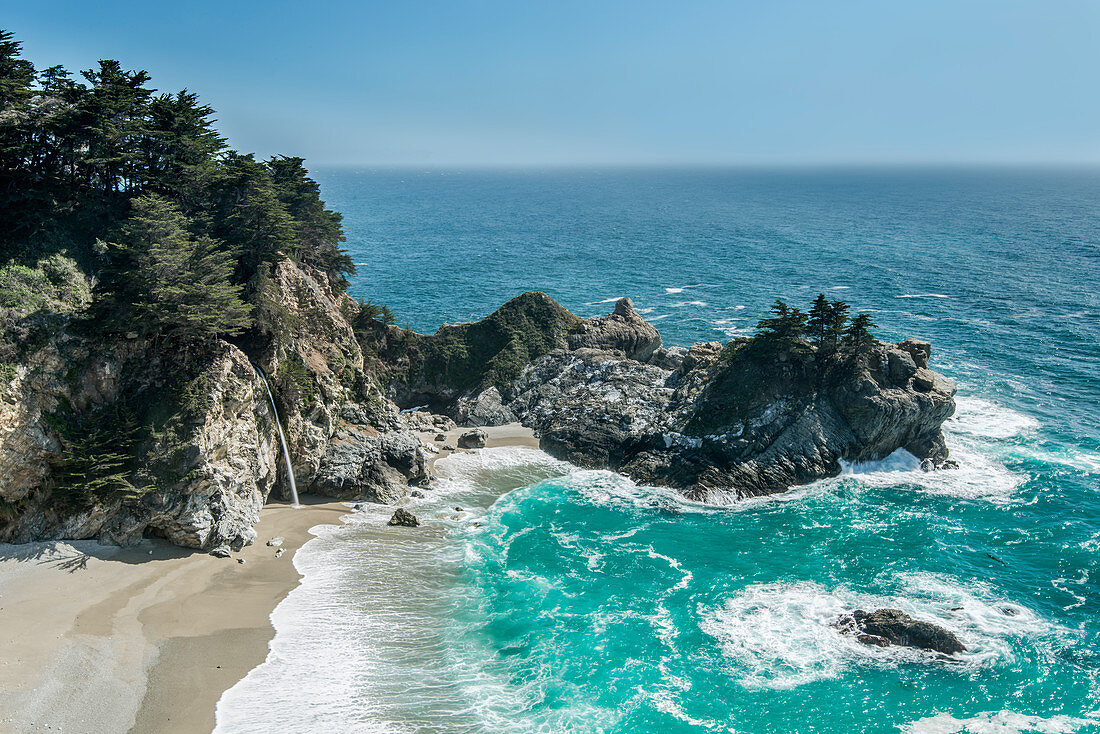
(498, 85)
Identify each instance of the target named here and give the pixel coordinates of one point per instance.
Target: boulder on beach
(404, 518)
(885, 627)
(474, 439)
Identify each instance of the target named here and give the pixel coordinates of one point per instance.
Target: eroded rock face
(885, 627)
(474, 439)
(623, 330)
(207, 492)
(719, 422)
(485, 409)
(208, 469)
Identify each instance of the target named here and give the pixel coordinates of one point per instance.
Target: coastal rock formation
(212, 456)
(623, 330)
(718, 422)
(404, 518)
(885, 627)
(474, 439)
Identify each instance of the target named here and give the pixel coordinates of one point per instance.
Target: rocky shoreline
(361, 402)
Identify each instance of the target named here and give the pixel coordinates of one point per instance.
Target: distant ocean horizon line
(791, 167)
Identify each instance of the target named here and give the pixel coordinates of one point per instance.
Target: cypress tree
(859, 334)
(819, 319)
(179, 284)
(786, 326)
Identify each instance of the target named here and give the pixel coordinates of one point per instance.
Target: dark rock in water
(449, 447)
(241, 561)
(873, 640)
(927, 465)
(404, 518)
(948, 464)
(416, 493)
(222, 551)
(474, 439)
(276, 542)
(279, 552)
(441, 437)
(884, 627)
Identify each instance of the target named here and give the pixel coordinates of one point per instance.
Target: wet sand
(102, 639)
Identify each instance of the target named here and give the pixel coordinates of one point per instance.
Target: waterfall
(282, 440)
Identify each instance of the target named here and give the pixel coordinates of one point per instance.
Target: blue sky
(605, 83)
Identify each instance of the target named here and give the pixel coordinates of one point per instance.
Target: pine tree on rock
(858, 336)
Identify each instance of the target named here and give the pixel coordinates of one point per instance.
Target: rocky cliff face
(718, 422)
(184, 446)
(209, 456)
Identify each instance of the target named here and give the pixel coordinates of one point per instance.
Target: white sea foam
(899, 461)
(616, 299)
(979, 476)
(983, 418)
(674, 290)
(973, 437)
(781, 635)
(998, 722)
(352, 655)
(922, 295)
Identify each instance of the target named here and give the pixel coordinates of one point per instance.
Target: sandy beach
(96, 638)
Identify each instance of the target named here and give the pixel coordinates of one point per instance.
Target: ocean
(562, 600)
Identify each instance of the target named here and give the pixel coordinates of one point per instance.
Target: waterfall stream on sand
(282, 440)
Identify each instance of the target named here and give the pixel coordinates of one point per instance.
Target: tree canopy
(105, 157)
(824, 326)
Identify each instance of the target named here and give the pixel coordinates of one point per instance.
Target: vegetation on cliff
(133, 236)
(137, 186)
(464, 357)
(792, 355)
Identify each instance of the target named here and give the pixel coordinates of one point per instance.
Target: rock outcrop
(403, 518)
(885, 627)
(473, 439)
(208, 455)
(718, 422)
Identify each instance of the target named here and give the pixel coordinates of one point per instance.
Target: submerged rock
(884, 627)
(404, 518)
(222, 551)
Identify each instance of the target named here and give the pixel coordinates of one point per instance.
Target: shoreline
(149, 637)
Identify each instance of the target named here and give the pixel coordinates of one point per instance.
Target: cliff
(117, 439)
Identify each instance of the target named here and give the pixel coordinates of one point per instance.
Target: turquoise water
(579, 601)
